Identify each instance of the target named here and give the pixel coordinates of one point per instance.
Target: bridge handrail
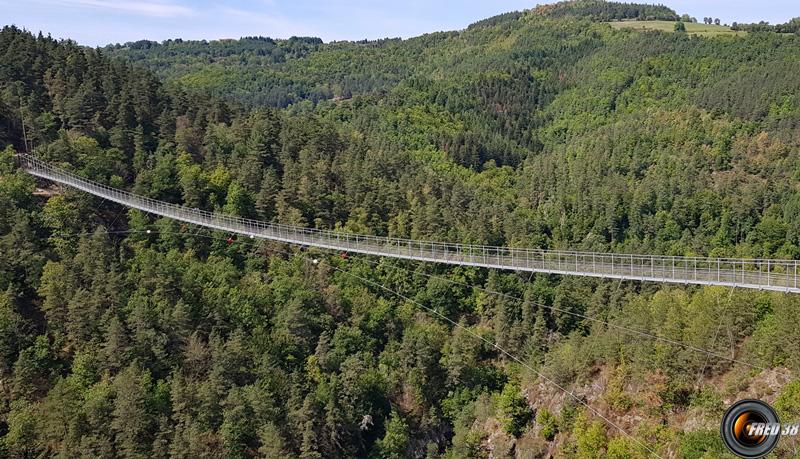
(771, 272)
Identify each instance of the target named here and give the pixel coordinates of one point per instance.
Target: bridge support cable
(632, 331)
(435, 313)
(379, 265)
(511, 356)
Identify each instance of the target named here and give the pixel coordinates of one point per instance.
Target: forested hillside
(546, 128)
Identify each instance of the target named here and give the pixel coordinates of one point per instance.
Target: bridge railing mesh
(768, 274)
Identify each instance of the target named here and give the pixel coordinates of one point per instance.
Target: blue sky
(98, 22)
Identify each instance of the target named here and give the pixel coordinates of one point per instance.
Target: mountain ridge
(122, 334)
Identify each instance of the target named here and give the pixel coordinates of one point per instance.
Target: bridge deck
(779, 275)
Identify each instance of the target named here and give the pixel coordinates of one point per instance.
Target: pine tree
(10, 330)
(395, 441)
(132, 422)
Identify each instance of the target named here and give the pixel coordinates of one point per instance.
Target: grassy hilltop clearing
(558, 127)
(693, 28)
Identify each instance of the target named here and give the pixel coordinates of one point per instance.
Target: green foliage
(624, 448)
(709, 403)
(703, 444)
(590, 437)
(21, 439)
(133, 417)
(548, 424)
(543, 128)
(690, 27)
(792, 26)
(34, 369)
(772, 339)
(616, 395)
(468, 437)
(788, 402)
(601, 10)
(513, 409)
(11, 323)
(395, 441)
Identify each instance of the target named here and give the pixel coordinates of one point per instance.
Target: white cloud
(145, 8)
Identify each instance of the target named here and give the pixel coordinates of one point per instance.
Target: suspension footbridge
(764, 274)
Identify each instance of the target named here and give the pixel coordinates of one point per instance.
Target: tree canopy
(545, 128)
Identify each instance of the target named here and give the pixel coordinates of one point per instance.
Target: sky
(99, 22)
